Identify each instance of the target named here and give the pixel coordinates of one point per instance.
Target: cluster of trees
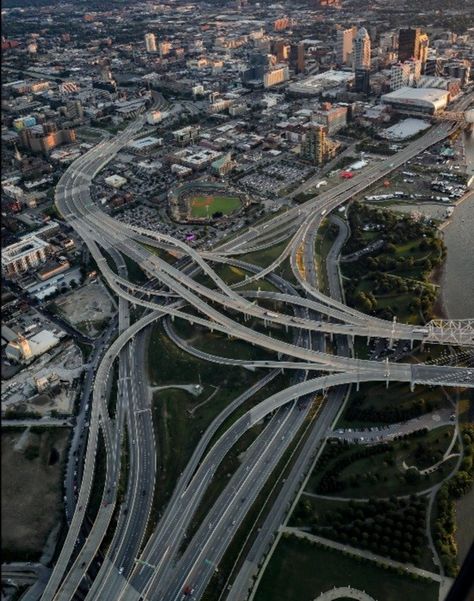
(377, 148)
(388, 415)
(331, 482)
(394, 528)
(445, 523)
(374, 268)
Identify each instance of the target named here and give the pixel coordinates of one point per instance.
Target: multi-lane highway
(160, 572)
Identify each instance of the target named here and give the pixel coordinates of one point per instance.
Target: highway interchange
(131, 567)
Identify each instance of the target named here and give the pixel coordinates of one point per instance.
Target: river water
(457, 281)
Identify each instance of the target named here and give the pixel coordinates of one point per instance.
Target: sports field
(207, 205)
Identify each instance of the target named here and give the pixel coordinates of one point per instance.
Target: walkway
(194, 389)
(344, 592)
(365, 554)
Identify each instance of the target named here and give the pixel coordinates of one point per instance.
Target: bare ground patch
(31, 490)
(87, 308)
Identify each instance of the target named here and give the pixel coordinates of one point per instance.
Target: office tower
(344, 41)
(362, 80)
(361, 50)
(297, 58)
(150, 42)
(259, 64)
(281, 50)
(408, 44)
(423, 50)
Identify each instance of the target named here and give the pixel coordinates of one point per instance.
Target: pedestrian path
(344, 592)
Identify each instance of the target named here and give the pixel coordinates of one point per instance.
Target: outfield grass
(205, 206)
(300, 571)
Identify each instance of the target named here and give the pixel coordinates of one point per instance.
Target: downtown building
(316, 147)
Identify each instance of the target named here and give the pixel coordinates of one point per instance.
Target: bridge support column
(172, 317)
(331, 336)
(411, 344)
(279, 356)
(412, 386)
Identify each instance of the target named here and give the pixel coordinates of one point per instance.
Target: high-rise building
(165, 48)
(281, 50)
(150, 42)
(297, 57)
(316, 146)
(423, 50)
(344, 41)
(276, 76)
(361, 50)
(408, 44)
(259, 64)
(362, 80)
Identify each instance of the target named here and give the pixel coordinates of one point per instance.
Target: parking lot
(275, 177)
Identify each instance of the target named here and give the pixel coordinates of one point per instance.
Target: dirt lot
(31, 489)
(88, 308)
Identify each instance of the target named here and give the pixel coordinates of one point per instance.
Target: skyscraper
(344, 41)
(361, 50)
(423, 51)
(297, 58)
(409, 44)
(150, 42)
(362, 80)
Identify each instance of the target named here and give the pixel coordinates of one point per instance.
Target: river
(457, 282)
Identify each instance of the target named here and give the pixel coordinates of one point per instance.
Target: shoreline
(456, 203)
(440, 309)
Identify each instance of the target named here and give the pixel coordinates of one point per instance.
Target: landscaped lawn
(382, 474)
(387, 401)
(300, 571)
(205, 206)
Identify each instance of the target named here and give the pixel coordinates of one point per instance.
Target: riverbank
(456, 279)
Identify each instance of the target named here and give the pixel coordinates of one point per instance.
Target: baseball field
(207, 205)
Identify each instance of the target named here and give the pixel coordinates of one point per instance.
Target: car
(121, 570)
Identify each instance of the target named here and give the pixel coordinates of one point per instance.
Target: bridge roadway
(115, 582)
(112, 431)
(306, 457)
(233, 300)
(149, 584)
(137, 254)
(218, 281)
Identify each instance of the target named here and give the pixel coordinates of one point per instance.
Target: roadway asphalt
(207, 546)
